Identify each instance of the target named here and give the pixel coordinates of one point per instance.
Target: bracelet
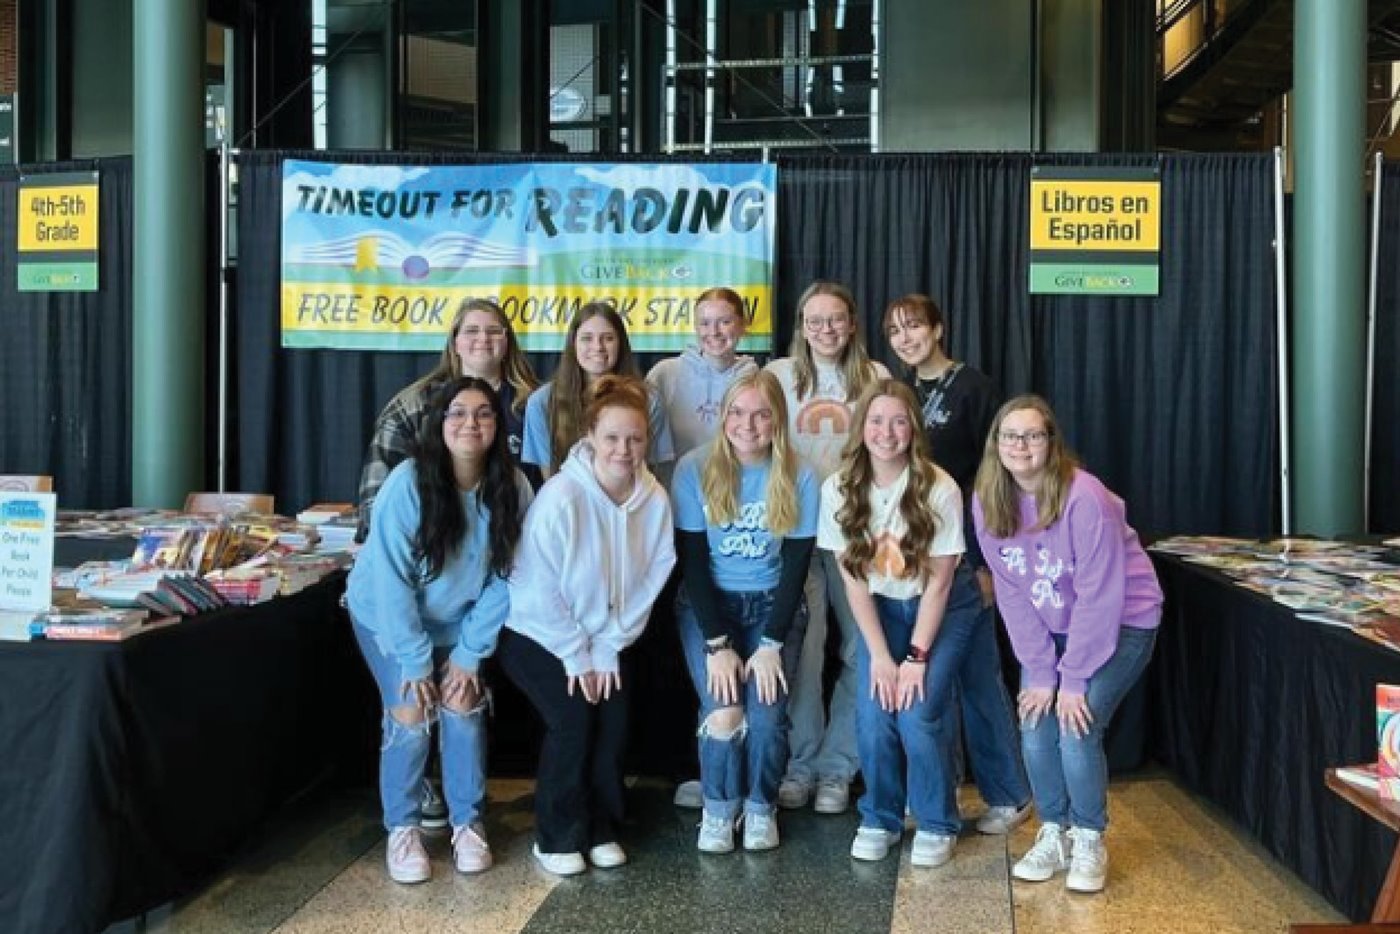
(917, 656)
(767, 643)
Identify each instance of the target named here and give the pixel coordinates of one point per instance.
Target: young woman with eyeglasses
(1081, 603)
(893, 519)
(480, 343)
(957, 404)
(427, 598)
(828, 369)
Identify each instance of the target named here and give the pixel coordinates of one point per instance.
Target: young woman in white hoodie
(596, 550)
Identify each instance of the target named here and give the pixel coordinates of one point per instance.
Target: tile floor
(1177, 866)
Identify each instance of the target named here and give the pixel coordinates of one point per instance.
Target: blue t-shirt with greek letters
(744, 555)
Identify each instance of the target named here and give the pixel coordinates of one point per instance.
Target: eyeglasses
(1031, 439)
(835, 322)
(455, 414)
(473, 331)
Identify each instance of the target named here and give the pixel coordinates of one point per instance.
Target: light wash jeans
(923, 737)
(989, 719)
(741, 772)
(824, 746)
(1069, 774)
(404, 750)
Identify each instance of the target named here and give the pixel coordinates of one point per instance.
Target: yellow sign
(58, 219)
(540, 315)
(1098, 215)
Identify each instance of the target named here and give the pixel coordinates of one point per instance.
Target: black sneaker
(433, 809)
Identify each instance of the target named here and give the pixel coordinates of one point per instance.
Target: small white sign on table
(26, 550)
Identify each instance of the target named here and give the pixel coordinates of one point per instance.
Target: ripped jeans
(741, 770)
(404, 749)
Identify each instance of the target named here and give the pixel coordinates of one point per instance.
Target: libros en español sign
(1095, 230)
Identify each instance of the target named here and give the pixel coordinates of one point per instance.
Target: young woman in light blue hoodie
(427, 598)
(596, 550)
(691, 386)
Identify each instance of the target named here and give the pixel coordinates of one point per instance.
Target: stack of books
(98, 624)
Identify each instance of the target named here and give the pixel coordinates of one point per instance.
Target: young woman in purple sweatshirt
(1081, 604)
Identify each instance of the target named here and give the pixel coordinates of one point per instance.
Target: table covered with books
(134, 769)
(1251, 702)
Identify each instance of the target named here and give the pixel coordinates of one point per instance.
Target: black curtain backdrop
(1172, 400)
(1385, 414)
(65, 360)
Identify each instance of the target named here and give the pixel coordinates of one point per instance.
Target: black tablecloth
(130, 771)
(1250, 704)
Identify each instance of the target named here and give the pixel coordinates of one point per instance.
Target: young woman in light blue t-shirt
(746, 521)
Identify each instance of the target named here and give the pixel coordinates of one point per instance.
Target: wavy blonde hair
(719, 480)
(855, 363)
(997, 489)
(856, 477)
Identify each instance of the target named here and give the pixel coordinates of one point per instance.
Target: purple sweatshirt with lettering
(1085, 575)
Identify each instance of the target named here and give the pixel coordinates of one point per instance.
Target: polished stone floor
(1177, 866)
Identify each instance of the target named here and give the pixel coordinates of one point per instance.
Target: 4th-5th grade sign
(380, 257)
(1095, 230)
(57, 232)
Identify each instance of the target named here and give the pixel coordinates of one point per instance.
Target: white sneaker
(469, 849)
(1003, 819)
(689, 795)
(794, 793)
(931, 849)
(405, 856)
(1049, 855)
(432, 809)
(607, 856)
(1088, 861)
(833, 796)
(873, 843)
(760, 832)
(560, 864)
(716, 834)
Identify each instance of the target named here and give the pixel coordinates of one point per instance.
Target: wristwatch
(917, 655)
(715, 647)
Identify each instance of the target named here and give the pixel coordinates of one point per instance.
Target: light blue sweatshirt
(390, 595)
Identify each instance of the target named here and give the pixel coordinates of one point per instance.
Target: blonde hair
(719, 480)
(855, 362)
(856, 477)
(998, 491)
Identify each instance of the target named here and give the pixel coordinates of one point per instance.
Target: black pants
(578, 789)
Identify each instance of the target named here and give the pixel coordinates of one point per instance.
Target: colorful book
(1388, 740)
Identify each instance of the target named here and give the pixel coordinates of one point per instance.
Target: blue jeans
(741, 771)
(403, 752)
(924, 735)
(824, 747)
(1069, 774)
(990, 719)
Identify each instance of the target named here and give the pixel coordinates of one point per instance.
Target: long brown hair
(855, 362)
(719, 481)
(566, 398)
(515, 366)
(856, 477)
(997, 490)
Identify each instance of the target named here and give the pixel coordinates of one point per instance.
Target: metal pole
(711, 41)
(1281, 294)
(670, 76)
(224, 171)
(1371, 332)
